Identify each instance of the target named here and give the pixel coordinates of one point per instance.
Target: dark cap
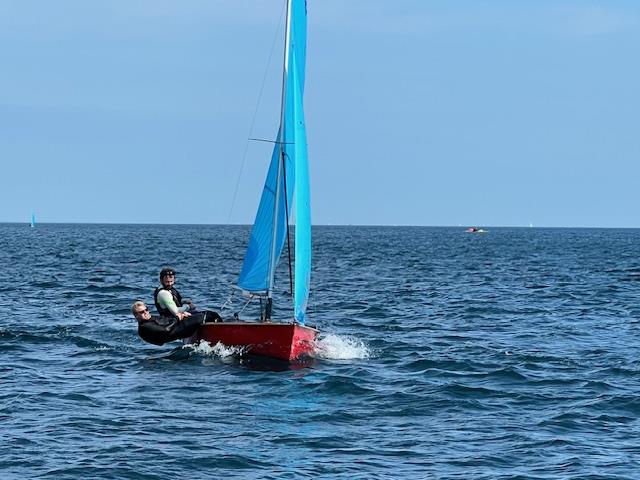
(166, 271)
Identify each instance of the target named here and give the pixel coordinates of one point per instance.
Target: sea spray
(341, 347)
(217, 350)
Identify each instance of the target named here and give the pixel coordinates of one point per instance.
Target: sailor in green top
(168, 300)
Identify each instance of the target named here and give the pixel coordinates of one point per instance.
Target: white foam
(341, 347)
(217, 350)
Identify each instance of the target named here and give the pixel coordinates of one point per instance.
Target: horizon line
(317, 225)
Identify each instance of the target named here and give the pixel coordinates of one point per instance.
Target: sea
(511, 354)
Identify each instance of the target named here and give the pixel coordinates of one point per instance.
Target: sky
(418, 112)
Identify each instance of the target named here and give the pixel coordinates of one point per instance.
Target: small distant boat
(33, 220)
(287, 180)
(475, 230)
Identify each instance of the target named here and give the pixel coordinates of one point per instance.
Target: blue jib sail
(292, 146)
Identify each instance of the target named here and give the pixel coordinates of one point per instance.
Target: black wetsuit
(160, 330)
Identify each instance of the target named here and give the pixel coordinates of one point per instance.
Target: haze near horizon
(418, 113)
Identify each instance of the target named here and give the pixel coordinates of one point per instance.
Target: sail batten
(269, 231)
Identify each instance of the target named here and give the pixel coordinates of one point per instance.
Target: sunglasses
(140, 312)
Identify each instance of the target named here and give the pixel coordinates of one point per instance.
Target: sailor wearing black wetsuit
(160, 330)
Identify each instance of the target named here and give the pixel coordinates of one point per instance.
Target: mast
(281, 140)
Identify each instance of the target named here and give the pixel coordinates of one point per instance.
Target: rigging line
(255, 113)
(286, 211)
(271, 141)
(228, 301)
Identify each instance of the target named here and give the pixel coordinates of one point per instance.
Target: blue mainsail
(303, 212)
(288, 172)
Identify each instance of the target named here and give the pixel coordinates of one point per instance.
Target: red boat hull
(285, 341)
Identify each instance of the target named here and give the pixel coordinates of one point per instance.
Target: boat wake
(341, 347)
(217, 350)
(328, 347)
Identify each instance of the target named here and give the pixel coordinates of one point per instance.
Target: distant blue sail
(256, 269)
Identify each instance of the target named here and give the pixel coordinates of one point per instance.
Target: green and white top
(165, 300)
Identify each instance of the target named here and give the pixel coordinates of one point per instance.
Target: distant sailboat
(33, 220)
(287, 181)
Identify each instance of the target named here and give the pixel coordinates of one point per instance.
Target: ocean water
(443, 355)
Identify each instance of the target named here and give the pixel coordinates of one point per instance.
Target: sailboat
(33, 220)
(287, 183)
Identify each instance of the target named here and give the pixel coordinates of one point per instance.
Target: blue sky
(418, 112)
